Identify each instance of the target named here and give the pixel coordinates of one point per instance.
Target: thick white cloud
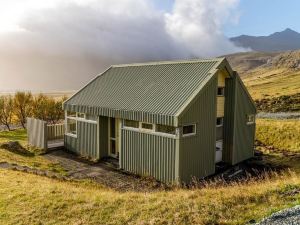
(62, 45)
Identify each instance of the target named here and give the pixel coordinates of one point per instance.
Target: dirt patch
(104, 173)
(16, 147)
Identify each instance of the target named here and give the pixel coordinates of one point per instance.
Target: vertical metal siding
(87, 135)
(71, 144)
(37, 133)
(149, 154)
(103, 136)
(86, 142)
(243, 133)
(197, 153)
(55, 131)
(238, 136)
(230, 95)
(219, 133)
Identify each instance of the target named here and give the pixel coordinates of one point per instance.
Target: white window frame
(145, 129)
(220, 125)
(190, 134)
(76, 118)
(251, 122)
(150, 131)
(130, 128)
(66, 126)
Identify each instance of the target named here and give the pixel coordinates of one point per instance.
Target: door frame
(117, 138)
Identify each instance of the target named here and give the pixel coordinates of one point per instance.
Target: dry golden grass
(282, 134)
(30, 199)
(272, 82)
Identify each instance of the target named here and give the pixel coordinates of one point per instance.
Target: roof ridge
(218, 59)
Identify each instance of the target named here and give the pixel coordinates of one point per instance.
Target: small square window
(250, 119)
(189, 130)
(147, 126)
(165, 129)
(221, 91)
(219, 121)
(71, 127)
(90, 117)
(71, 114)
(81, 115)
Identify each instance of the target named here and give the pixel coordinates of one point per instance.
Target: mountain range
(279, 41)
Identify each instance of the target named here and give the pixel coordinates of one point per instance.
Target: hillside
(279, 41)
(268, 75)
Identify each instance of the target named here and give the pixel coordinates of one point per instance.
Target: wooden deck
(53, 144)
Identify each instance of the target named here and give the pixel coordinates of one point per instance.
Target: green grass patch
(15, 135)
(34, 160)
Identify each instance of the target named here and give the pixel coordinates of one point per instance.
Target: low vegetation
(281, 134)
(284, 103)
(28, 156)
(50, 202)
(270, 82)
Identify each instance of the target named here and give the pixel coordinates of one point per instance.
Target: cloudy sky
(55, 45)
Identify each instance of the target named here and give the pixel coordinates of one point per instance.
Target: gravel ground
(285, 217)
(279, 115)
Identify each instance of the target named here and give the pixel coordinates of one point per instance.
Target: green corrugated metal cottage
(170, 120)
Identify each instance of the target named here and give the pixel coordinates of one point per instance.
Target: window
(90, 117)
(81, 115)
(219, 121)
(71, 114)
(147, 126)
(221, 91)
(250, 119)
(71, 126)
(189, 130)
(165, 129)
(131, 123)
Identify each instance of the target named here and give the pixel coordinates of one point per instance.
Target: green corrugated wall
(103, 136)
(230, 96)
(238, 135)
(71, 144)
(197, 153)
(148, 154)
(244, 134)
(86, 142)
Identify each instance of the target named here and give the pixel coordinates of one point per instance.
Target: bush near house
(15, 109)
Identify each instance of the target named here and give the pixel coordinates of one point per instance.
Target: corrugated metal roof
(157, 88)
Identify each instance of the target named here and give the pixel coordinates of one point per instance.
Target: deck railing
(41, 135)
(55, 131)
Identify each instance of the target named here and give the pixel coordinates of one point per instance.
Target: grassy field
(34, 160)
(31, 199)
(282, 134)
(272, 82)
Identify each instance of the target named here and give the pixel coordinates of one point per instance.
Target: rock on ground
(285, 217)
